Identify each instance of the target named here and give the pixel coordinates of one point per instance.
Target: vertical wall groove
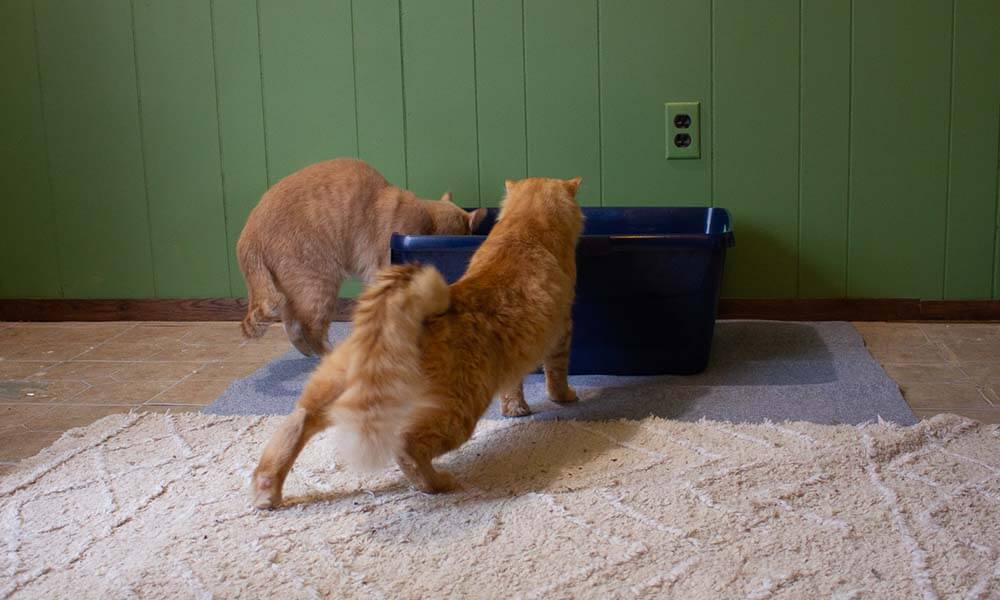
(561, 43)
(756, 158)
(475, 108)
(500, 143)
(947, 188)
(850, 157)
(142, 147)
(824, 79)
(402, 85)
(263, 102)
(354, 74)
(711, 94)
(524, 71)
(600, 109)
(900, 147)
(181, 147)
(54, 214)
(441, 125)
(996, 229)
(236, 35)
(218, 127)
(88, 68)
(972, 159)
(798, 166)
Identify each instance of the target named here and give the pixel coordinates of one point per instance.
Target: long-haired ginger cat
(425, 359)
(320, 225)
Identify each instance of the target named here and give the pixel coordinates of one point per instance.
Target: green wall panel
(241, 125)
(379, 80)
(28, 259)
(641, 37)
(824, 155)
(173, 44)
(975, 122)
(88, 76)
(307, 73)
(757, 142)
(439, 78)
(562, 88)
(856, 143)
(996, 236)
(500, 96)
(899, 148)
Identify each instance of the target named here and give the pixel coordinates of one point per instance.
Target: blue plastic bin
(647, 288)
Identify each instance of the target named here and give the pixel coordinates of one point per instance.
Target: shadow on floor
(759, 370)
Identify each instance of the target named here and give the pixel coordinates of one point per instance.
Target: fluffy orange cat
(424, 360)
(320, 225)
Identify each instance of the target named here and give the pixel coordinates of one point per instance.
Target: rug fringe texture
(154, 506)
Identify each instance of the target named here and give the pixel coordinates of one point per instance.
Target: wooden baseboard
(233, 309)
(209, 309)
(860, 309)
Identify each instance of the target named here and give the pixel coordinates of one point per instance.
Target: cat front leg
(512, 402)
(424, 477)
(557, 369)
(426, 441)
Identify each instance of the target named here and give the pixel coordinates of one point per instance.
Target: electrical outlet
(683, 129)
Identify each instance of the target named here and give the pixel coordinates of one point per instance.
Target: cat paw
(443, 483)
(566, 397)
(513, 405)
(265, 493)
(515, 410)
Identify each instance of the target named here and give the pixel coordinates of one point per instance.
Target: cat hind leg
(557, 369)
(309, 418)
(430, 436)
(307, 314)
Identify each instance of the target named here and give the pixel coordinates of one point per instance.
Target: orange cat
(424, 360)
(320, 225)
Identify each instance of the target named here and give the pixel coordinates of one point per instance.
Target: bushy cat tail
(383, 375)
(263, 297)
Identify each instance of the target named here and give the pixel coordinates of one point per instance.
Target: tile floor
(941, 367)
(56, 376)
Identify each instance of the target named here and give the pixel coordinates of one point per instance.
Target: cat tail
(263, 297)
(384, 382)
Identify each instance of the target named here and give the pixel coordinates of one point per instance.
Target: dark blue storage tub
(647, 286)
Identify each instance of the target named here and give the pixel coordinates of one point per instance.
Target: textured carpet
(154, 506)
(759, 370)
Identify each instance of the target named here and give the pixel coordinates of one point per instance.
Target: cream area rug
(154, 506)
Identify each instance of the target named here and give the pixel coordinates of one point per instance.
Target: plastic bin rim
(463, 243)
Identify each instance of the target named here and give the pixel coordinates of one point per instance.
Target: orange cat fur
(424, 360)
(320, 225)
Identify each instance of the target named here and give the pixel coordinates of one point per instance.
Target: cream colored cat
(320, 225)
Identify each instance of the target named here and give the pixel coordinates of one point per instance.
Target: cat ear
(572, 185)
(508, 184)
(446, 197)
(476, 218)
